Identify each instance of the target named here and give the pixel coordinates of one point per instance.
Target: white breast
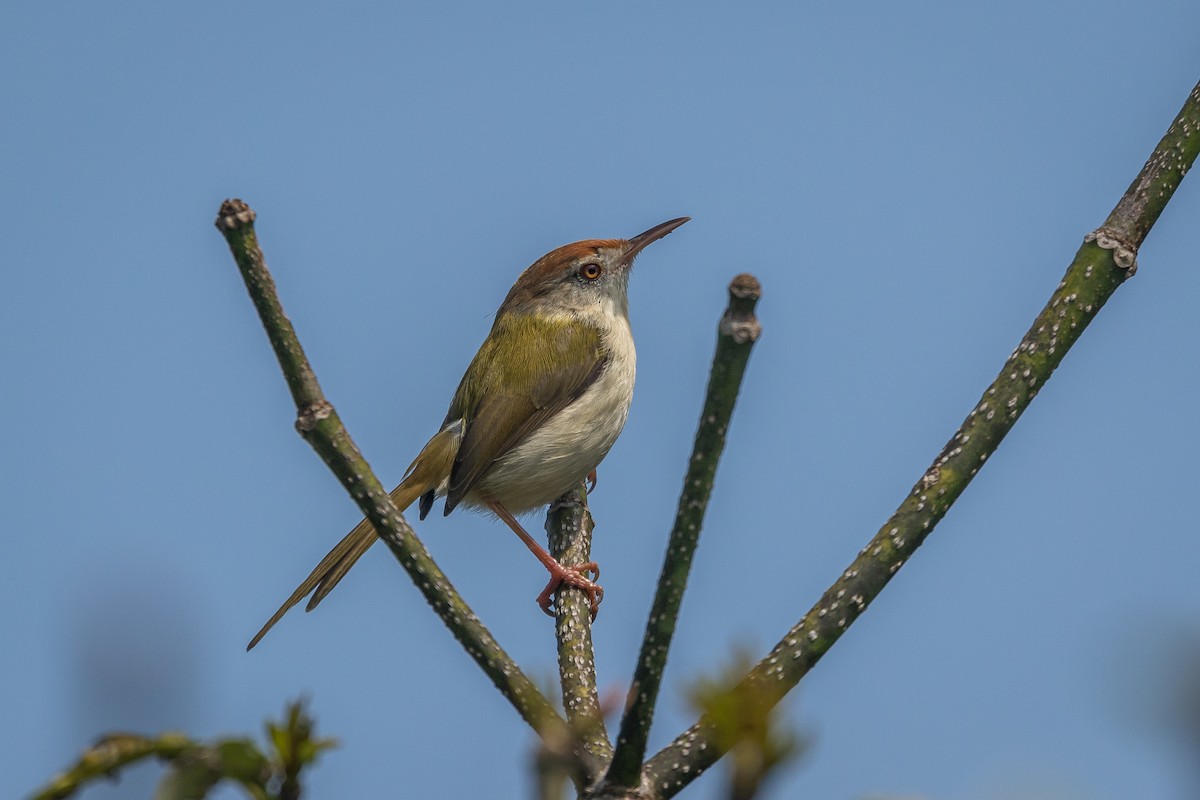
(561, 453)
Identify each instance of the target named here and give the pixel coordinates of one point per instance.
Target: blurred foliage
(552, 771)
(194, 768)
(745, 727)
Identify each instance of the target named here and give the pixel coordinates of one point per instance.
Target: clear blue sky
(908, 181)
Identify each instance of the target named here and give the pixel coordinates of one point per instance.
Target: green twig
(295, 748)
(318, 423)
(195, 768)
(1106, 258)
(108, 756)
(736, 335)
(569, 528)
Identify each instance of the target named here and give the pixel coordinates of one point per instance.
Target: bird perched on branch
(539, 407)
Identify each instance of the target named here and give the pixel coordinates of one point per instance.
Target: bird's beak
(637, 243)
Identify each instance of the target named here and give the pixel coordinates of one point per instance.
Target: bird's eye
(590, 271)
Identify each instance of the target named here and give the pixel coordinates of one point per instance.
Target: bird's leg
(591, 480)
(572, 576)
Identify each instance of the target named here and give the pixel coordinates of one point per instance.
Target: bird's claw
(576, 576)
(591, 481)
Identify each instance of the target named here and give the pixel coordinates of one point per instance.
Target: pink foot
(574, 576)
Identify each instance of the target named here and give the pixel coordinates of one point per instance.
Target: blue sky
(908, 181)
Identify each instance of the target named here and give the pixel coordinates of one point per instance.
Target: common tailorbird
(536, 411)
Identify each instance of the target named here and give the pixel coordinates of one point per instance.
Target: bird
(535, 413)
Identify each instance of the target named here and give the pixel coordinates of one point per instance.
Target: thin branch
(1152, 189)
(108, 756)
(737, 333)
(1106, 258)
(194, 768)
(569, 528)
(318, 423)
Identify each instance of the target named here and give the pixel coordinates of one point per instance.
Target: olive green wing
(527, 370)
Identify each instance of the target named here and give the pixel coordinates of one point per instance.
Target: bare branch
(1106, 258)
(736, 335)
(569, 527)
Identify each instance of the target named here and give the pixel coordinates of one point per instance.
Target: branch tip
(745, 286)
(234, 214)
(739, 321)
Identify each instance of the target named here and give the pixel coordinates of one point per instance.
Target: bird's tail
(427, 473)
(341, 558)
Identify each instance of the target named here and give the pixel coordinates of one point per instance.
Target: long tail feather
(340, 559)
(356, 545)
(426, 474)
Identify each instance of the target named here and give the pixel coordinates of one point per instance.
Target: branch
(569, 528)
(1106, 258)
(108, 756)
(318, 423)
(1138, 210)
(737, 333)
(194, 768)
